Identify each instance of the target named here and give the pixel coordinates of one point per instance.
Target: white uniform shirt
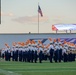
(63, 51)
(41, 49)
(23, 49)
(66, 48)
(51, 47)
(20, 49)
(3, 51)
(27, 49)
(56, 47)
(36, 49)
(13, 49)
(8, 50)
(32, 48)
(60, 47)
(16, 49)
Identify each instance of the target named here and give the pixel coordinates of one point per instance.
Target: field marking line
(8, 72)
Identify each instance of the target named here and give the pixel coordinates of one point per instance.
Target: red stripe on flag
(40, 11)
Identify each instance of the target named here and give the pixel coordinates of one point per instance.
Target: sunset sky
(21, 16)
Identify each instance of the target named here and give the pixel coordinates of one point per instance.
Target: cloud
(30, 19)
(9, 14)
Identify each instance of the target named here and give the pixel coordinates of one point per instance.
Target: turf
(1, 74)
(45, 68)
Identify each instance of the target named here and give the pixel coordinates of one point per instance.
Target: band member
(51, 51)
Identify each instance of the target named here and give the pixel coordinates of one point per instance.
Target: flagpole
(39, 12)
(38, 19)
(38, 22)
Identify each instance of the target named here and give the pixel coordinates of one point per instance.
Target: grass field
(45, 68)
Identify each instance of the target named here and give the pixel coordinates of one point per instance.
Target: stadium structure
(9, 38)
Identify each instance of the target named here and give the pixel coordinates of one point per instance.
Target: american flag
(40, 11)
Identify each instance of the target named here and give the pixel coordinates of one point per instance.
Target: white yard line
(8, 72)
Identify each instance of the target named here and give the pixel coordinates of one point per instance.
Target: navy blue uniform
(51, 55)
(35, 56)
(40, 56)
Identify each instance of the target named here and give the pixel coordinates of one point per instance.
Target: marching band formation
(30, 51)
